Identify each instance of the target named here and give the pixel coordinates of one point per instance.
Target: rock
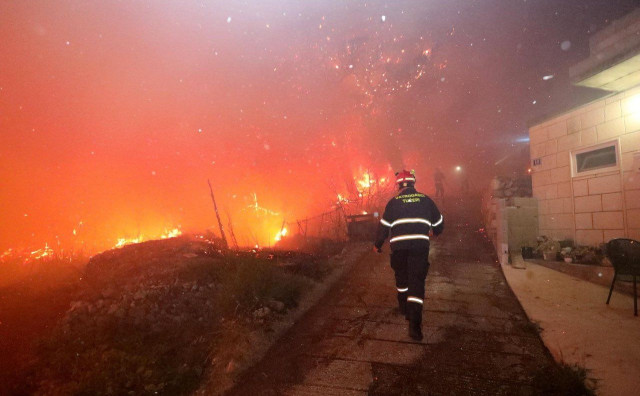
(79, 306)
(101, 321)
(231, 367)
(120, 313)
(140, 294)
(261, 313)
(277, 306)
(108, 293)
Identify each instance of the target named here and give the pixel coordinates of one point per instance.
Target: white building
(586, 161)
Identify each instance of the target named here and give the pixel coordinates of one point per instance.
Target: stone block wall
(594, 208)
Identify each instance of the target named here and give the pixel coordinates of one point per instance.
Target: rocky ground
(161, 317)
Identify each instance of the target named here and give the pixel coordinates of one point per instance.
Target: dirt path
(477, 338)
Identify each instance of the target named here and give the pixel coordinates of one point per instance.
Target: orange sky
(114, 114)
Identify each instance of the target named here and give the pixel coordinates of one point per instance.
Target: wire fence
(327, 225)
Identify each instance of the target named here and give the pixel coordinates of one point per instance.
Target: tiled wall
(596, 208)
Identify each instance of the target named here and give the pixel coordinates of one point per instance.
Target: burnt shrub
(251, 283)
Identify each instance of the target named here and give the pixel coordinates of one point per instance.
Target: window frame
(574, 158)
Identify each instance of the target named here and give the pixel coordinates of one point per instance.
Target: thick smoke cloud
(113, 115)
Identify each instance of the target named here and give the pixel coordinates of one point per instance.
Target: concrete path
(477, 337)
(579, 328)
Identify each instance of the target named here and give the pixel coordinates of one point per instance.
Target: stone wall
(595, 208)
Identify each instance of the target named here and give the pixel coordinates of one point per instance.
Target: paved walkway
(579, 328)
(477, 337)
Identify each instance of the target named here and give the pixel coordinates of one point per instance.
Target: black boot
(402, 305)
(415, 321)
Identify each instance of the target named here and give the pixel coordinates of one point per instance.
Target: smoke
(114, 115)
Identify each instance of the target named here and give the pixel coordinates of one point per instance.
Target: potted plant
(565, 252)
(527, 252)
(548, 248)
(585, 255)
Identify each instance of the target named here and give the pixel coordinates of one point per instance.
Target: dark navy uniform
(408, 221)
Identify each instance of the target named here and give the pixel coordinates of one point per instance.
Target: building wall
(596, 208)
(510, 223)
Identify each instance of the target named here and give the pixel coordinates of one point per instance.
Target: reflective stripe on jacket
(407, 220)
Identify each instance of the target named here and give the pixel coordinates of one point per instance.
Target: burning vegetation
(164, 315)
(163, 312)
(363, 193)
(114, 115)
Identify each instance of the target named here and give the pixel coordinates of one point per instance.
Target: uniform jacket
(407, 220)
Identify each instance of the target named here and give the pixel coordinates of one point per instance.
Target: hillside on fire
(205, 197)
(168, 316)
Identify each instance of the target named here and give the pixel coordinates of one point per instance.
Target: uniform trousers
(411, 268)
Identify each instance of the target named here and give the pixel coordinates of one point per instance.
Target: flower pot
(568, 260)
(549, 256)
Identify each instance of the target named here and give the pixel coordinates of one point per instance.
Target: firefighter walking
(409, 220)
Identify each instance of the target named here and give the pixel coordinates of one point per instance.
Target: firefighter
(409, 220)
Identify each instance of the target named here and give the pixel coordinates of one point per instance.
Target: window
(603, 157)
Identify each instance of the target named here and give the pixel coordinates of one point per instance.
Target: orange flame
(172, 233)
(46, 251)
(281, 234)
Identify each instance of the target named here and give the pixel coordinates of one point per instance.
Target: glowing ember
(6, 254)
(255, 206)
(46, 251)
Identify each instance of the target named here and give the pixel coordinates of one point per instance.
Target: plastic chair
(625, 257)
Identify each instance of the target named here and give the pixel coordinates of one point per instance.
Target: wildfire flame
(365, 182)
(281, 234)
(166, 235)
(342, 199)
(171, 233)
(46, 251)
(368, 182)
(127, 241)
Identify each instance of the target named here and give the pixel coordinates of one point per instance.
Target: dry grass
(162, 334)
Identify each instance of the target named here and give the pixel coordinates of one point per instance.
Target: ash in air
(114, 115)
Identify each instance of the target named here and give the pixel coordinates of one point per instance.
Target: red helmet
(405, 177)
